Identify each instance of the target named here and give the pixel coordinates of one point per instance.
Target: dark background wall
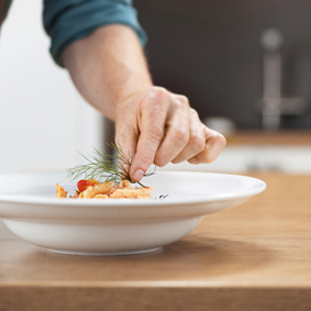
(210, 51)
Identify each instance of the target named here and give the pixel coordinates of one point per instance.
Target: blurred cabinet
(211, 51)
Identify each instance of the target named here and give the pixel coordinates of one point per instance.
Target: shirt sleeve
(4, 9)
(66, 21)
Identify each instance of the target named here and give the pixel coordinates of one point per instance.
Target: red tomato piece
(83, 184)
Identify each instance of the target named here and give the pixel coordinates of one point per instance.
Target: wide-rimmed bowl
(117, 226)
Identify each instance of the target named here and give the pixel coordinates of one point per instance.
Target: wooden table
(254, 257)
(279, 138)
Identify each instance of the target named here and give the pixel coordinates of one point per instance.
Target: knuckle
(184, 99)
(159, 93)
(194, 113)
(197, 143)
(221, 140)
(181, 101)
(181, 136)
(155, 100)
(155, 133)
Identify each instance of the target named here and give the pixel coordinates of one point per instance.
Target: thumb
(126, 140)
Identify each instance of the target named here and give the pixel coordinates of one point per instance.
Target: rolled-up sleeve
(69, 20)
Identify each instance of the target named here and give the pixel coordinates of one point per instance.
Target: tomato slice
(83, 184)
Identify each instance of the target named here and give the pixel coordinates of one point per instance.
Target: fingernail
(138, 175)
(193, 161)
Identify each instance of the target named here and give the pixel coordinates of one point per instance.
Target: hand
(157, 126)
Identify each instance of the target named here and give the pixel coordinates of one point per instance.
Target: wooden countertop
(254, 257)
(250, 137)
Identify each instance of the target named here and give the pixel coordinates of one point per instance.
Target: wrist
(130, 95)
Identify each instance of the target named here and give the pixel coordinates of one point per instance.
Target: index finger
(152, 129)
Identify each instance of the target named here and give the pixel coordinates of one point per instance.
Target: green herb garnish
(102, 165)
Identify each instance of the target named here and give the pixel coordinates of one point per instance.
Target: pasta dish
(94, 189)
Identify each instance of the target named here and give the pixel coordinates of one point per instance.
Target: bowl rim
(258, 187)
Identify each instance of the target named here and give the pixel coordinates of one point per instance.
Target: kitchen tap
(272, 105)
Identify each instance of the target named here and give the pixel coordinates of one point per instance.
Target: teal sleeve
(69, 20)
(4, 9)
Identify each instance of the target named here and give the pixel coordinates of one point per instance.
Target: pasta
(94, 189)
(91, 191)
(60, 192)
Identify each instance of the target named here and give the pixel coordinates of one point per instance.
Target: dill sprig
(100, 165)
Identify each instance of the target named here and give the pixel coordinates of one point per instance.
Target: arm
(107, 67)
(156, 126)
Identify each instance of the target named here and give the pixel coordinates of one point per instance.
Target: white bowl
(116, 226)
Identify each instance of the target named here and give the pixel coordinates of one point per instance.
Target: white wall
(43, 121)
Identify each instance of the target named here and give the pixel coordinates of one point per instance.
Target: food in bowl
(94, 189)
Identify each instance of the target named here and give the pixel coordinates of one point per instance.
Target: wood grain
(253, 257)
(270, 138)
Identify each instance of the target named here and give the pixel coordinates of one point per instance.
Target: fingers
(126, 134)
(153, 111)
(214, 143)
(196, 141)
(177, 133)
(160, 127)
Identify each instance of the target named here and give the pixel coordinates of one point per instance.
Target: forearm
(107, 67)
